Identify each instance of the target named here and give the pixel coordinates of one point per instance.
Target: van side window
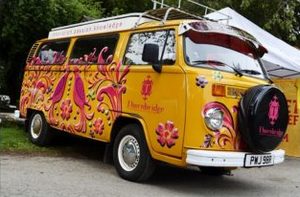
(52, 53)
(137, 41)
(94, 50)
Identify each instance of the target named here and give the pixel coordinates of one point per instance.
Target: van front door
(158, 98)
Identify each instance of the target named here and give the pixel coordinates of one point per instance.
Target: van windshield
(223, 52)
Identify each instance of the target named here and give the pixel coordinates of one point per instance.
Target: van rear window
(50, 53)
(94, 50)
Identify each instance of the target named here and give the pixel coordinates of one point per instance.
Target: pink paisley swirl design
(111, 84)
(56, 97)
(225, 135)
(101, 60)
(34, 87)
(80, 101)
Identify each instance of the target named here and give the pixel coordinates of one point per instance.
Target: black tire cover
(263, 118)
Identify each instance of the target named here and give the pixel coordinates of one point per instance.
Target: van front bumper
(226, 158)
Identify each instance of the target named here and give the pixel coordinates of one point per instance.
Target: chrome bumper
(225, 158)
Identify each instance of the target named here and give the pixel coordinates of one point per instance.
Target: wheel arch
(29, 112)
(44, 135)
(124, 120)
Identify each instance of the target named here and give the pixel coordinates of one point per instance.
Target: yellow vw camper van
(163, 85)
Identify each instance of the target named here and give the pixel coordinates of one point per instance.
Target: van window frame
(265, 78)
(68, 40)
(147, 64)
(117, 36)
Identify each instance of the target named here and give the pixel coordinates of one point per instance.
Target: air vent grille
(32, 52)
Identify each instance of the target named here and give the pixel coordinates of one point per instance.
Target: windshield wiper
(235, 69)
(251, 72)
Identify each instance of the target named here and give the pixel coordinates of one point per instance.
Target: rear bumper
(225, 158)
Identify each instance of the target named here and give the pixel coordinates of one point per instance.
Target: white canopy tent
(281, 61)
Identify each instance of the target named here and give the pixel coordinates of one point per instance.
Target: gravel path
(69, 176)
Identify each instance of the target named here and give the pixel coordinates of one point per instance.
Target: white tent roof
(282, 60)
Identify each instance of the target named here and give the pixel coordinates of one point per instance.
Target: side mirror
(150, 55)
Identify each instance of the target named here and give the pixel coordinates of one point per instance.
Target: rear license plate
(256, 160)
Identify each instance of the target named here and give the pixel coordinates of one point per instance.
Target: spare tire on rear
(263, 118)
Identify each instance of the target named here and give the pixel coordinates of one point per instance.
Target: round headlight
(214, 118)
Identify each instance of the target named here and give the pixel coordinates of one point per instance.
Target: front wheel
(39, 130)
(131, 156)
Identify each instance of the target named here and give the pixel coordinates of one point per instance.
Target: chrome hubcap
(129, 153)
(36, 126)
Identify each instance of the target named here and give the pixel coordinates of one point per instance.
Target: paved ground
(10, 117)
(72, 176)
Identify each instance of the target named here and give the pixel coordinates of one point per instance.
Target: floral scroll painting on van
(225, 136)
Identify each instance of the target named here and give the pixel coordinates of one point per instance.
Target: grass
(14, 140)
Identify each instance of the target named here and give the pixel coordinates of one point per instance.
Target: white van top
(110, 24)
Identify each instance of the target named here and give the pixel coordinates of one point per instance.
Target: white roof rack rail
(129, 21)
(110, 24)
(184, 9)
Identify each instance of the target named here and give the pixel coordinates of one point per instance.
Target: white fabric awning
(281, 61)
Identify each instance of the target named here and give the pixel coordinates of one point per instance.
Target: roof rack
(167, 12)
(132, 20)
(115, 23)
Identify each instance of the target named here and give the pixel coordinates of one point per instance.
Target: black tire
(215, 171)
(136, 164)
(39, 130)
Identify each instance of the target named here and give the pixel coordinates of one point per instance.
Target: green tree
(297, 26)
(279, 17)
(22, 22)
(116, 7)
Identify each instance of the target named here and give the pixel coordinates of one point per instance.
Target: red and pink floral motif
(110, 85)
(92, 58)
(66, 109)
(80, 100)
(98, 126)
(33, 90)
(226, 134)
(167, 134)
(56, 97)
(107, 86)
(57, 58)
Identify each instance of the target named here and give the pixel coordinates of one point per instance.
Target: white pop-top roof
(116, 23)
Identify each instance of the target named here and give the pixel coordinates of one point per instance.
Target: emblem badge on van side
(147, 87)
(273, 110)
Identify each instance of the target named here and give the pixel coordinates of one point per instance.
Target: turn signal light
(218, 90)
